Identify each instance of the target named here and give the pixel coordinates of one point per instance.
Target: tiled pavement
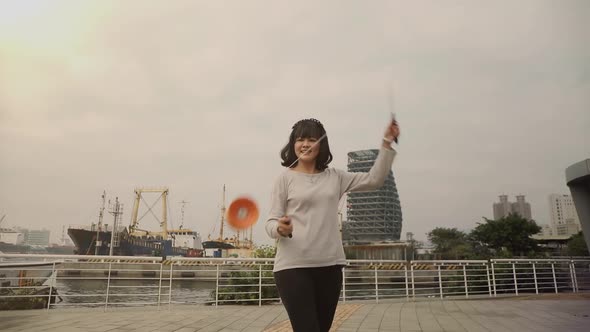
(342, 313)
(539, 313)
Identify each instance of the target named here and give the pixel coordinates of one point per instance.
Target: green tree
(243, 286)
(265, 251)
(576, 246)
(449, 243)
(507, 236)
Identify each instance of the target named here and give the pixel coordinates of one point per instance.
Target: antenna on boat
(116, 210)
(99, 226)
(183, 202)
(222, 214)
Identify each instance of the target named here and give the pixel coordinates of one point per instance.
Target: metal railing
(103, 281)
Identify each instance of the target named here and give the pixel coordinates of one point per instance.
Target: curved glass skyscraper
(372, 216)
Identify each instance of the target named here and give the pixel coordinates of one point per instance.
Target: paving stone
(520, 315)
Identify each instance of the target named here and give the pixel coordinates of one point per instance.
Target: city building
(37, 237)
(563, 216)
(372, 216)
(522, 207)
(504, 207)
(546, 230)
(11, 236)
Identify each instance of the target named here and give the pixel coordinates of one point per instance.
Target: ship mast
(236, 239)
(183, 202)
(222, 215)
(116, 211)
(251, 242)
(99, 226)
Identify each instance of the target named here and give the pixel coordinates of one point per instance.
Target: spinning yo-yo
(242, 213)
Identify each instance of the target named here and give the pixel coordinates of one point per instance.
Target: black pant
(310, 296)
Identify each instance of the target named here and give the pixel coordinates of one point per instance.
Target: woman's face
(304, 151)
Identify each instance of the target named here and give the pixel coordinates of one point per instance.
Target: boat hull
(85, 242)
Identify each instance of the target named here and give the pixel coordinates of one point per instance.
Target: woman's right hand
(285, 227)
(392, 131)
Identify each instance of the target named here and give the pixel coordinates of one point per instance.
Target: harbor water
(82, 292)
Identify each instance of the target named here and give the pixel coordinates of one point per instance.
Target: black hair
(307, 128)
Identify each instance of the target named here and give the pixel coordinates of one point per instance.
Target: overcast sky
(493, 97)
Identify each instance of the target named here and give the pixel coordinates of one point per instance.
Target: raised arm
(376, 176)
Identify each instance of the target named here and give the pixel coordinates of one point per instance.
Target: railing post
(413, 285)
(406, 279)
(260, 285)
(465, 280)
(515, 280)
(160, 284)
(535, 277)
(488, 278)
(573, 276)
(554, 278)
(170, 285)
(440, 282)
(344, 284)
(106, 302)
(51, 283)
(217, 286)
(376, 286)
(494, 279)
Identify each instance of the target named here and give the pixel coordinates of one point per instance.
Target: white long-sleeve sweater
(311, 201)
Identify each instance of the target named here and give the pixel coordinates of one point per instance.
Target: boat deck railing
(113, 281)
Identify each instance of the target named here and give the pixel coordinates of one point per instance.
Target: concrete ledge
(578, 180)
(577, 171)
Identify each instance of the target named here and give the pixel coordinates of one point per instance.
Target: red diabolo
(242, 213)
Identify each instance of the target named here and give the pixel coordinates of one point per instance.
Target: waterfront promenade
(564, 312)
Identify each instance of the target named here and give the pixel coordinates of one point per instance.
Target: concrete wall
(397, 251)
(578, 180)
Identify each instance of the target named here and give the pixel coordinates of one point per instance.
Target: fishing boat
(98, 239)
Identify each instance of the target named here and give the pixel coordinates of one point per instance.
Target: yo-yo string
(309, 150)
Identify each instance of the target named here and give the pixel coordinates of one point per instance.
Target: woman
(304, 218)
